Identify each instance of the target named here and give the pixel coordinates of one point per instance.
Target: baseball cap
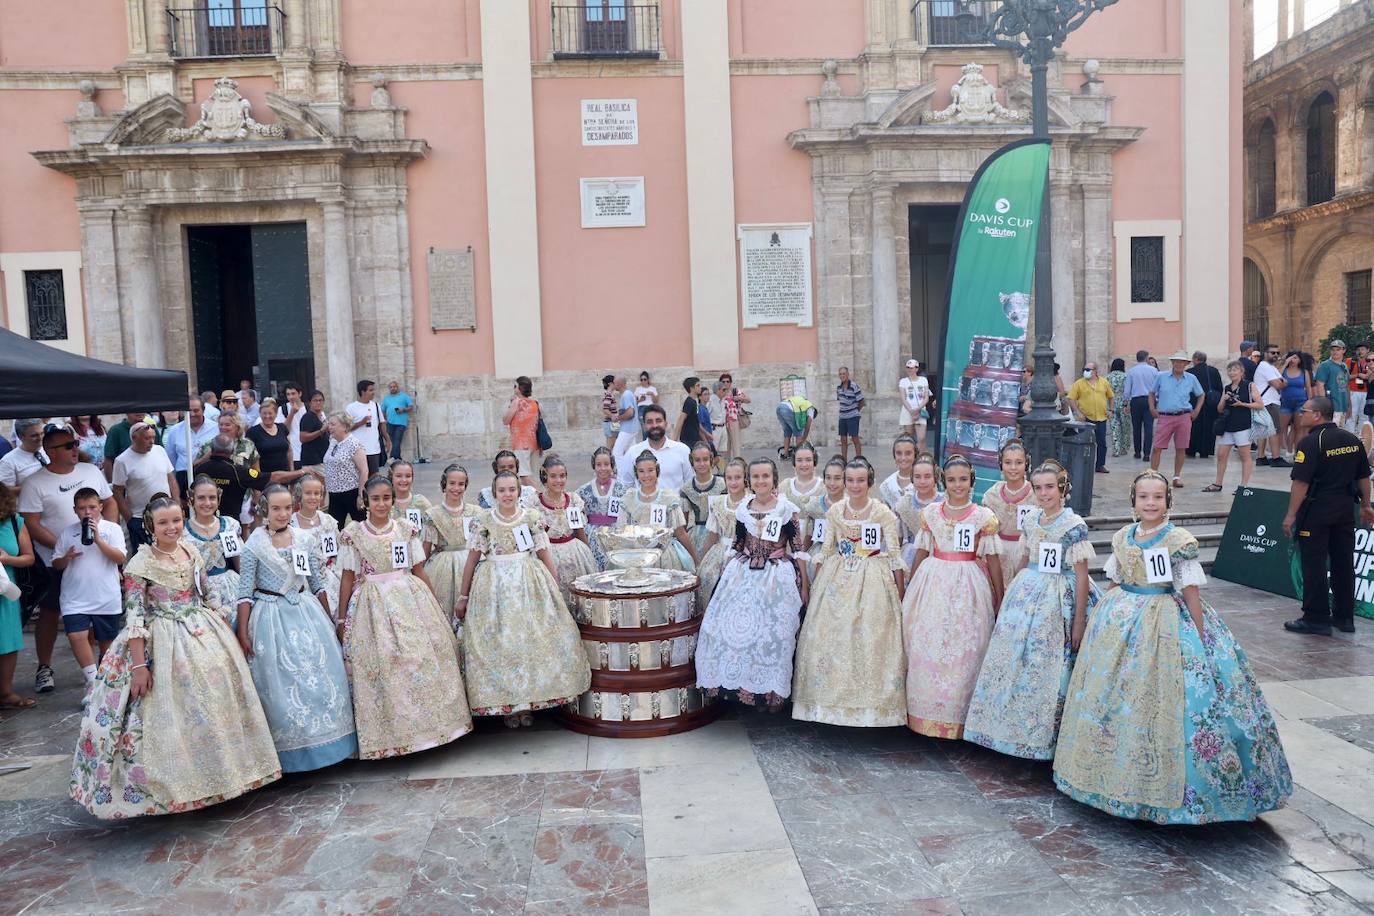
(912, 364)
(1338, 343)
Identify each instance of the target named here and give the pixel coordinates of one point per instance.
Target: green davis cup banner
(987, 303)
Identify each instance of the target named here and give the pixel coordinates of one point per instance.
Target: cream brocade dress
(521, 647)
(571, 556)
(637, 512)
(851, 665)
(402, 654)
(329, 567)
(720, 521)
(1004, 506)
(416, 502)
(199, 736)
(444, 530)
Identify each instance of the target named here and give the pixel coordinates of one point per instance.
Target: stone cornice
(96, 159)
(57, 79)
(1337, 207)
(821, 141)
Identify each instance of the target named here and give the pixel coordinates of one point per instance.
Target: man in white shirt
(1269, 380)
(140, 471)
(1140, 381)
(203, 429)
(674, 458)
(367, 425)
(915, 392)
(295, 411)
(20, 462)
(45, 501)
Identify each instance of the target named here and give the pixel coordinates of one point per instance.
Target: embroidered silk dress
(696, 506)
(198, 736)
(947, 618)
(417, 503)
(639, 511)
(1005, 505)
(297, 665)
(749, 633)
(1019, 696)
(529, 498)
(1159, 723)
(598, 504)
(571, 556)
(851, 664)
(909, 514)
(224, 581)
(720, 522)
(329, 566)
(408, 692)
(522, 649)
(893, 494)
(445, 528)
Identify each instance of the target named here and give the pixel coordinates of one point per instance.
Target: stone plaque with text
(775, 274)
(452, 299)
(612, 202)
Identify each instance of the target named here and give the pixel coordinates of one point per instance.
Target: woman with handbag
(1202, 443)
(522, 416)
(1232, 426)
(737, 417)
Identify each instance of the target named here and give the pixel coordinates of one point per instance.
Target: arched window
(1254, 304)
(1321, 149)
(1264, 173)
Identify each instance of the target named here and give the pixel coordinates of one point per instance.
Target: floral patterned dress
(323, 523)
(1161, 723)
(297, 665)
(1119, 417)
(893, 494)
(851, 664)
(224, 581)
(638, 511)
(571, 556)
(408, 692)
(599, 515)
(412, 509)
(749, 634)
(447, 530)
(947, 617)
(720, 522)
(696, 505)
(198, 737)
(522, 649)
(1019, 696)
(810, 503)
(1006, 505)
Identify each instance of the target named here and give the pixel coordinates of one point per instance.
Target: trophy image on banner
(983, 417)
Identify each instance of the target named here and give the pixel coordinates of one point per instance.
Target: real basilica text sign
(610, 122)
(612, 202)
(775, 273)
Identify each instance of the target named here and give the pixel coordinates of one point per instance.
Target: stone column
(1097, 271)
(150, 350)
(834, 287)
(100, 284)
(338, 303)
(1068, 332)
(886, 321)
(1283, 20)
(1349, 168)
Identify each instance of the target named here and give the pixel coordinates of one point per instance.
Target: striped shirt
(849, 399)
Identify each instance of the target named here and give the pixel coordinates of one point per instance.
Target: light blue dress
(599, 514)
(297, 664)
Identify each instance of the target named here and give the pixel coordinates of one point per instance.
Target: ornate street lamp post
(1033, 29)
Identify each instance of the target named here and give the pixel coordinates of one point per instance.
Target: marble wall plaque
(775, 274)
(612, 202)
(452, 300)
(610, 122)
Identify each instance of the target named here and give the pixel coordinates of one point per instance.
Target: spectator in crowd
(1332, 379)
(244, 385)
(20, 462)
(141, 471)
(1359, 368)
(1237, 400)
(914, 390)
(314, 436)
(1270, 383)
(1154, 363)
(645, 394)
(522, 418)
(367, 425)
(292, 412)
(674, 457)
(234, 479)
(850, 398)
(610, 409)
(92, 610)
(1175, 402)
(687, 430)
(704, 424)
(16, 553)
(211, 402)
(734, 400)
(1202, 440)
(45, 500)
(1249, 358)
(1119, 420)
(228, 401)
(1091, 396)
(202, 431)
(273, 445)
(231, 426)
(795, 415)
(1140, 381)
(717, 416)
(1295, 392)
(398, 406)
(90, 433)
(166, 419)
(117, 439)
(628, 417)
(250, 407)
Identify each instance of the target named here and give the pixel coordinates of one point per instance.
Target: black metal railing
(1321, 186)
(607, 28)
(955, 23)
(238, 31)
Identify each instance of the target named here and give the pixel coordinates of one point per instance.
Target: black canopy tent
(37, 380)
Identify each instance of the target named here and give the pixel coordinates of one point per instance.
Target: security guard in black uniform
(1330, 475)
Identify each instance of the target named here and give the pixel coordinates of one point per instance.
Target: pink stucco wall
(38, 205)
(411, 31)
(796, 28)
(85, 34)
(1131, 30)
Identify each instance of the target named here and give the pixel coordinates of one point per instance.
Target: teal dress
(11, 629)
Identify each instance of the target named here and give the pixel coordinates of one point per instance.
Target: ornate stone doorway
(931, 236)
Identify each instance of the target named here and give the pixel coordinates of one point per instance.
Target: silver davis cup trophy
(635, 550)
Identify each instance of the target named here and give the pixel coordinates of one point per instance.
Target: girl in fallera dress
(448, 526)
(289, 637)
(749, 633)
(505, 460)
(205, 530)
(851, 665)
(832, 493)
(1019, 696)
(312, 518)
(172, 722)
(563, 517)
(1008, 499)
(697, 494)
(521, 647)
(600, 495)
(720, 527)
(898, 484)
(409, 505)
(679, 553)
(925, 491)
(947, 615)
(1163, 720)
(805, 489)
(408, 692)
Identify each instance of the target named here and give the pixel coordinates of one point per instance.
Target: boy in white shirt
(90, 599)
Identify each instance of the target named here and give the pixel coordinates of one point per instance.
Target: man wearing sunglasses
(23, 461)
(45, 501)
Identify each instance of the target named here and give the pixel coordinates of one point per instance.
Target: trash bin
(1078, 454)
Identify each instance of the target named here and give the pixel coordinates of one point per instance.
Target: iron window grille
(1147, 268)
(46, 301)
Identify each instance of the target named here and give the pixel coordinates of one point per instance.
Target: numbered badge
(576, 519)
(615, 506)
(658, 515)
(400, 555)
(229, 542)
(300, 561)
(871, 536)
(329, 545)
(1159, 568)
(1050, 557)
(415, 518)
(818, 531)
(964, 534)
(523, 539)
(772, 528)
(468, 524)
(1022, 513)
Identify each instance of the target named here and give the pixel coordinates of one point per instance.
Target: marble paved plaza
(752, 815)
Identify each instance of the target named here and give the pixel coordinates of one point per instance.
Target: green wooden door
(281, 293)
